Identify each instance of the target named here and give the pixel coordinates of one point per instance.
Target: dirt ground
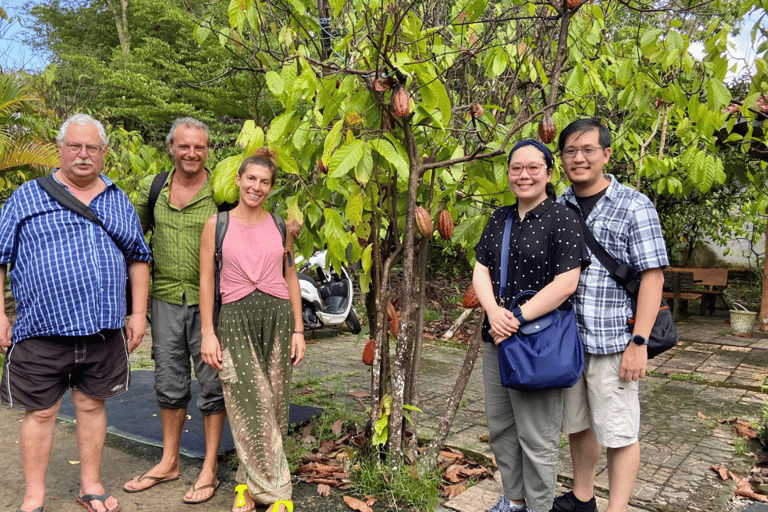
(122, 460)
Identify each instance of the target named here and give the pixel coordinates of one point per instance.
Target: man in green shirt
(184, 204)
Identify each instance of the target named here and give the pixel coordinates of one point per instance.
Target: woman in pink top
(260, 333)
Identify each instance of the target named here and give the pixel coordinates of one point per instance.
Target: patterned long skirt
(255, 336)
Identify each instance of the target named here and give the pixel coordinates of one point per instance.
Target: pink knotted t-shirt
(252, 259)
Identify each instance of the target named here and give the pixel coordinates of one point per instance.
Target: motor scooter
(327, 300)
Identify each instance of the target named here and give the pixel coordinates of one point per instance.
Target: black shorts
(38, 371)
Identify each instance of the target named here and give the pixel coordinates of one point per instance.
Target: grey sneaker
(568, 503)
(503, 505)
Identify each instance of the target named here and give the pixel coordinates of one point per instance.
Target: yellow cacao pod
(424, 222)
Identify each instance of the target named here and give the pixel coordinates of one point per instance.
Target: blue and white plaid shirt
(625, 223)
(67, 275)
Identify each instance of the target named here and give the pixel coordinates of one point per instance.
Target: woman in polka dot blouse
(546, 255)
(260, 333)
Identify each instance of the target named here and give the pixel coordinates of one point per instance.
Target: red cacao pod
(293, 228)
(394, 324)
(547, 129)
(401, 101)
(321, 166)
(476, 110)
(368, 352)
(470, 298)
(391, 310)
(424, 222)
(572, 4)
(445, 224)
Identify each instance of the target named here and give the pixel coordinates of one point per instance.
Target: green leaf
(388, 151)
(345, 158)
(275, 83)
(354, 210)
(332, 141)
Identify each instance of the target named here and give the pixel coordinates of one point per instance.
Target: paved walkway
(712, 375)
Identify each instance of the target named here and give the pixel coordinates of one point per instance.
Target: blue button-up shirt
(67, 274)
(626, 224)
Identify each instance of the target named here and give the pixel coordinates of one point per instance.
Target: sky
(14, 55)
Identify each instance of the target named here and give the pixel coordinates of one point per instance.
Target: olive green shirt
(176, 241)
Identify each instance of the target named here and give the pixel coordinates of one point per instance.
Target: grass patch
(397, 486)
(430, 315)
(686, 377)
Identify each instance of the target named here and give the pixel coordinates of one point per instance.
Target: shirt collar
(108, 182)
(540, 209)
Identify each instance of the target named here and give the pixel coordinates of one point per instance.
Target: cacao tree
(392, 106)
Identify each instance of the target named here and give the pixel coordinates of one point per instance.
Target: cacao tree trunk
(764, 302)
(428, 460)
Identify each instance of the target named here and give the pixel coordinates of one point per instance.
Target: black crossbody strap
(621, 273)
(73, 204)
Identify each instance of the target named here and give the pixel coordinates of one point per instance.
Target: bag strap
(222, 223)
(504, 267)
(73, 204)
(280, 223)
(154, 192)
(620, 272)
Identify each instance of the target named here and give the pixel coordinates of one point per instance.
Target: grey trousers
(524, 436)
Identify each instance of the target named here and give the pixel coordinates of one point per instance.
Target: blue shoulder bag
(545, 353)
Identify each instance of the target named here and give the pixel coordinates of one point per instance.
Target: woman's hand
(503, 323)
(297, 348)
(210, 350)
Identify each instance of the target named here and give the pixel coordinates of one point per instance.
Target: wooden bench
(709, 283)
(678, 283)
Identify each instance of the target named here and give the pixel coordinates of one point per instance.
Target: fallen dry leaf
(324, 490)
(702, 416)
(337, 426)
(744, 428)
(356, 504)
(720, 470)
(451, 491)
(452, 474)
(744, 488)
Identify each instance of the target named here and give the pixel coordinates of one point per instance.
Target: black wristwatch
(639, 339)
(519, 315)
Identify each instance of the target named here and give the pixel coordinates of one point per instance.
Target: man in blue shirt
(603, 408)
(68, 276)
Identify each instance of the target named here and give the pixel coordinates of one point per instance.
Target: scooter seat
(308, 279)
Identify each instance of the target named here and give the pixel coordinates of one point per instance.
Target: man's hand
(135, 330)
(210, 351)
(633, 362)
(5, 333)
(503, 323)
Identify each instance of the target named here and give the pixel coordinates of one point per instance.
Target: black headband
(538, 145)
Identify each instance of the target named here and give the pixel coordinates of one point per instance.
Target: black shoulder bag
(664, 333)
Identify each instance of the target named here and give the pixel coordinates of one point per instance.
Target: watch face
(639, 340)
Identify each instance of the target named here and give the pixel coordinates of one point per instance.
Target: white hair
(82, 120)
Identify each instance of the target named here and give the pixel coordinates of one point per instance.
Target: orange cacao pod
(470, 298)
(424, 222)
(401, 101)
(476, 110)
(445, 224)
(547, 129)
(394, 324)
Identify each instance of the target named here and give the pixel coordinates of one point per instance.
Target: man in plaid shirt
(603, 407)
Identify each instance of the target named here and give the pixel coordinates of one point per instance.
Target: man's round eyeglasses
(75, 149)
(533, 169)
(587, 151)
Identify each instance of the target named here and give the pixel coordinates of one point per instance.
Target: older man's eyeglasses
(533, 169)
(75, 148)
(587, 151)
